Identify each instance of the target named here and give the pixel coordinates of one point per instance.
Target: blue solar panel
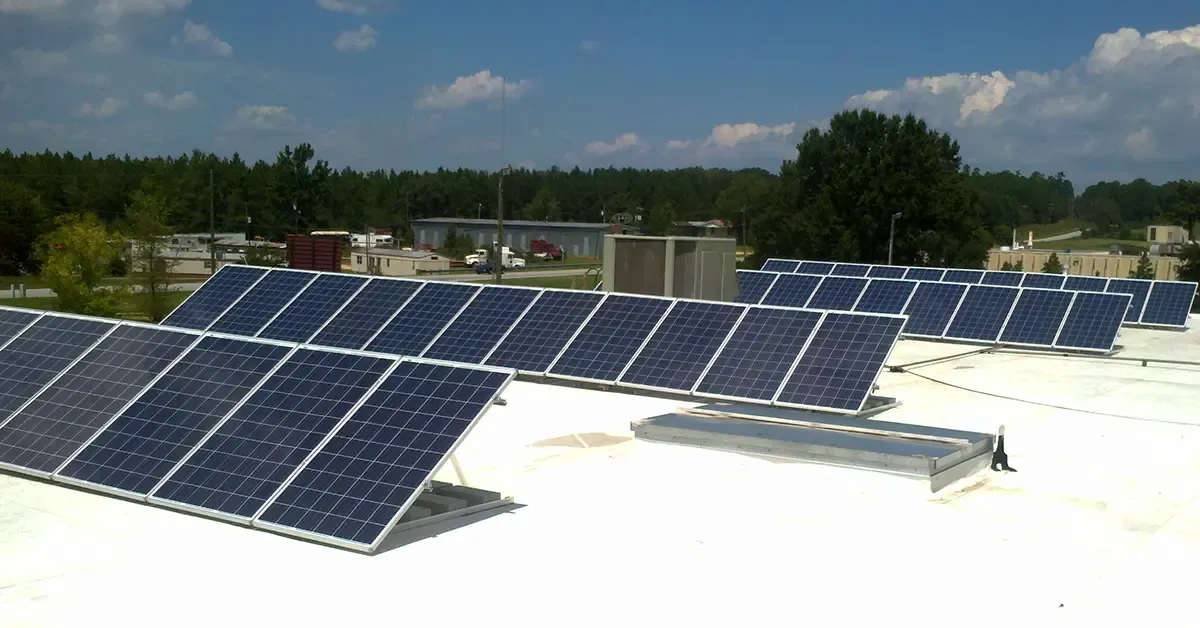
(13, 321)
(682, 346)
(355, 489)
(216, 295)
(35, 357)
(253, 452)
(262, 302)
(610, 339)
(931, 307)
(982, 313)
(320, 300)
(925, 274)
(815, 268)
(1169, 303)
(958, 275)
(1093, 322)
(69, 411)
(759, 354)
(473, 335)
(887, 272)
(427, 312)
(792, 290)
(142, 445)
(1046, 281)
(753, 284)
(838, 369)
(851, 270)
(1139, 289)
(886, 296)
(781, 266)
(544, 330)
(366, 313)
(1089, 284)
(1002, 278)
(1036, 317)
(837, 293)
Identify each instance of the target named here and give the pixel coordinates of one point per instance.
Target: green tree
(661, 221)
(1019, 266)
(153, 269)
(1006, 266)
(268, 256)
(1189, 263)
(544, 206)
(75, 258)
(1182, 204)
(23, 219)
(456, 246)
(1144, 269)
(1053, 265)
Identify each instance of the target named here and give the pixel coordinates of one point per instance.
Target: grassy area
(1087, 244)
(1058, 228)
(572, 282)
(129, 308)
(34, 282)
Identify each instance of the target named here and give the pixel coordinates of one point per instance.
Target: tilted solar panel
(1002, 278)
(1036, 317)
(427, 312)
(851, 270)
(1169, 303)
(959, 275)
(792, 290)
(1047, 281)
(205, 305)
(1088, 284)
(982, 313)
(757, 357)
(13, 321)
(837, 293)
(887, 272)
(1093, 322)
(475, 332)
(37, 356)
(366, 313)
(753, 284)
(886, 296)
(263, 302)
(931, 308)
(609, 340)
(838, 368)
(1139, 289)
(309, 311)
(780, 266)
(925, 274)
(544, 330)
(685, 342)
(815, 268)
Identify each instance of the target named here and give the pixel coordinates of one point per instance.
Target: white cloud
(106, 44)
(263, 118)
(468, 89)
(111, 11)
(104, 109)
(182, 100)
(33, 127)
(730, 135)
(589, 45)
(354, 7)
(200, 37)
(625, 141)
(359, 40)
(30, 7)
(673, 145)
(39, 62)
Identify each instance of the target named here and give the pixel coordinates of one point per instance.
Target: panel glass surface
(68, 412)
(1137, 288)
(356, 486)
(686, 341)
(1088, 284)
(781, 266)
(792, 290)
(982, 313)
(851, 270)
(138, 449)
(837, 293)
(1036, 317)
(1046, 281)
(839, 368)
(262, 302)
(931, 307)
(887, 272)
(237, 469)
(1093, 322)
(420, 321)
(218, 293)
(13, 321)
(754, 362)
(886, 296)
(959, 275)
(1169, 303)
(42, 352)
(925, 274)
(1002, 278)
(481, 325)
(544, 330)
(752, 285)
(815, 268)
(606, 344)
(312, 308)
(370, 309)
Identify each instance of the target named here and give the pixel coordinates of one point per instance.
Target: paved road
(1064, 236)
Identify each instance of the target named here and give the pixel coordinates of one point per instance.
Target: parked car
(483, 267)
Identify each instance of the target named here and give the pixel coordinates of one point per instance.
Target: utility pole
(498, 261)
(212, 225)
(745, 243)
(370, 271)
(892, 236)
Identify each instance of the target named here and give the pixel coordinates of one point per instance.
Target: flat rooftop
(1100, 522)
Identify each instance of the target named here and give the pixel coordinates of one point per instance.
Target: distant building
(702, 228)
(191, 262)
(1166, 234)
(574, 238)
(397, 263)
(199, 241)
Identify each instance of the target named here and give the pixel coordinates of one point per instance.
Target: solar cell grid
(815, 268)
(931, 308)
(207, 303)
(838, 368)
(43, 351)
(780, 266)
(1169, 303)
(792, 290)
(475, 332)
(544, 330)
(1036, 317)
(1043, 280)
(309, 311)
(1137, 288)
(366, 313)
(851, 270)
(925, 274)
(959, 275)
(756, 359)
(427, 312)
(837, 293)
(886, 296)
(1089, 284)
(982, 313)
(13, 321)
(610, 339)
(887, 272)
(753, 284)
(677, 352)
(262, 302)
(1093, 321)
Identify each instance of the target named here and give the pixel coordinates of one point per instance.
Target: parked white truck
(481, 257)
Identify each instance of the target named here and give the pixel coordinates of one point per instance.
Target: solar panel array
(610, 339)
(1001, 310)
(1154, 303)
(320, 443)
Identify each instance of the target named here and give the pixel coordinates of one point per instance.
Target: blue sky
(1099, 89)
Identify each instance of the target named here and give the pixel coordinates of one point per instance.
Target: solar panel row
(962, 312)
(321, 443)
(1154, 303)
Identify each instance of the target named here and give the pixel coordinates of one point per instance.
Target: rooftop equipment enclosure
(671, 266)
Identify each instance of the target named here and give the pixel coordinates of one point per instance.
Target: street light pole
(892, 236)
(498, 264)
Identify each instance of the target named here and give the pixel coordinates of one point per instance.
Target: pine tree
(1144, 270)
(1053, 265)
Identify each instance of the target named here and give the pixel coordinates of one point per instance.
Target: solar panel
(1037, 317)
(958, 275)
(931, 308)
(1002, 278)
(47, 348)
(982, 313)
(1093, 322)
(678, 351)
(13, 321)
(427, 312)
(608, 341)
(925, 274)
(153, 434)
(544, 330)
(837, 293)
(366, 313)
(757, 357)
(206, 304)
(838, 368)
(1046, 281)
(815, 268)
(1169, 303)
(64, 415)
(753, 284)
(309, 311)
(886, 296)
(262, 302)
(887, 272)
(359, 484)
(473, 335)
(851, 270)
(1139, 289)
(1088, 284)
(792, 290)
(232, 473)
(780, 266)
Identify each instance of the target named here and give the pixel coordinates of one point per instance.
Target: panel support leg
(462, 477)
